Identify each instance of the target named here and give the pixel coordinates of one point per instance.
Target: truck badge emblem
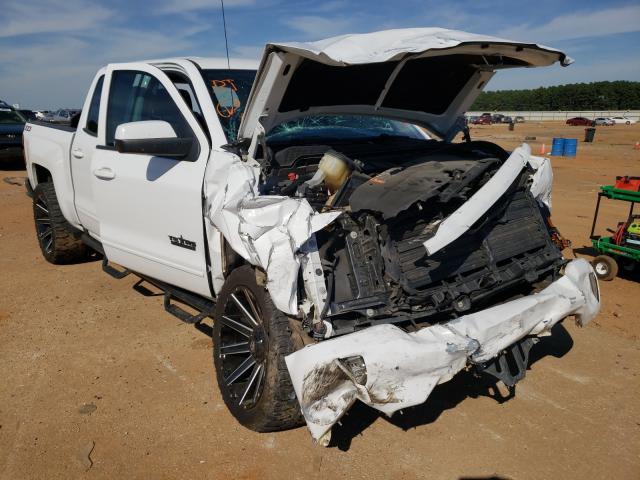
(182, 242)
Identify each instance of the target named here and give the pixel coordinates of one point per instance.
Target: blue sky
(50, 49)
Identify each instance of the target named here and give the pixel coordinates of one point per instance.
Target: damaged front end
(402, 255)
(389, 368)
(405, 259)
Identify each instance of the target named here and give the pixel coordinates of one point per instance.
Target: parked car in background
(482, 120)
(48, 116)
(577, 121)
(41, 114)
(11, 126)
(603, 121)
(518, 119)
(622, 120)
(506, 119)
(497, 118)
(28, 114)
(64, 116)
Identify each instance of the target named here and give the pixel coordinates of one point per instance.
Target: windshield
(343, 127)
(10, 116)
(229, 90)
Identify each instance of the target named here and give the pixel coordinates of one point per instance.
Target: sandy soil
(97, 381)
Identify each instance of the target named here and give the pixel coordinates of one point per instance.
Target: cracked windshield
(344, 126)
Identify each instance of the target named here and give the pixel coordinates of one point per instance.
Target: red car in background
(575, 121)
(482, 120)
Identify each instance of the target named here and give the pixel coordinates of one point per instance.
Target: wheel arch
(41, 174)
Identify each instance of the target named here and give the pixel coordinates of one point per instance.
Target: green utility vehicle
(622, 248)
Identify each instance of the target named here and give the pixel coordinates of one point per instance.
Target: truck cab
(142, 202)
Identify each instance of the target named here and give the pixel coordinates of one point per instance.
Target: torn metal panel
(313, 276)
(464, 217)
(266, 230)
(390, 369)
(542, 179)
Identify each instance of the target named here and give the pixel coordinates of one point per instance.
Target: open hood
(426, 76)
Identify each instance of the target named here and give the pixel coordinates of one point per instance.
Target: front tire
(606, 267)
(250, 340)
(58, 240)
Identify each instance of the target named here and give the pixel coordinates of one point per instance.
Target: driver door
(150, 207)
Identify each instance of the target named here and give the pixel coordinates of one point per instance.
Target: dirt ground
(97, 381)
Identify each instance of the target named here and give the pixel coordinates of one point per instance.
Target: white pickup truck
(319, 212)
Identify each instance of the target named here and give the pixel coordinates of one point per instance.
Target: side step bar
(203, 306)
(182, 314)
(115, 273)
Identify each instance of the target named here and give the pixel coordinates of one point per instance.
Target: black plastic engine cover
(396, 189)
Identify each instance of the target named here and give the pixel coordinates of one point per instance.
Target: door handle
(77, 152)
(104, 173)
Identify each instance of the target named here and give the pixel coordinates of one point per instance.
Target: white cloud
(20, 18)
(319, 27)
(56, 71)
(253, 52)
(579, 24)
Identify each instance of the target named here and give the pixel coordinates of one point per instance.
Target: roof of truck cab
(213, 62)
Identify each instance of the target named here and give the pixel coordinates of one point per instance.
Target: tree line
(618, 95)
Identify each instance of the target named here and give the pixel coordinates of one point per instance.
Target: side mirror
(151, 137)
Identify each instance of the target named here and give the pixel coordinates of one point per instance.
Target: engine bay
(392, 194)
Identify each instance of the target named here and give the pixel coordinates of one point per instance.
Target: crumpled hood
(427, 76)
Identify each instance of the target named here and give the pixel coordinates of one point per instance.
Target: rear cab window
(91, 126)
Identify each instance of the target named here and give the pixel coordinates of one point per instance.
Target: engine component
(333, 170)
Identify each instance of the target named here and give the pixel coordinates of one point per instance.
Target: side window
(94, 109)
(135, 96)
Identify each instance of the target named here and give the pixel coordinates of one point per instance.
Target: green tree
(618, 95)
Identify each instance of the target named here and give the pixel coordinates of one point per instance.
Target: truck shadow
(445, 396)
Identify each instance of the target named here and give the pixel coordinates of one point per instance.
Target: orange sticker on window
(225, 91)
(225, 112)
(227, 82)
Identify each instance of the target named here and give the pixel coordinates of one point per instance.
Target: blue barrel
(557, 147)
(570, 147)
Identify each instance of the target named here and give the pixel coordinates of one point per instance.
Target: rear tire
(59, 241)
(606, 267)
(250, 340)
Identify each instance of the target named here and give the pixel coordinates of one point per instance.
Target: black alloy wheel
(59, 242)
(250, 340)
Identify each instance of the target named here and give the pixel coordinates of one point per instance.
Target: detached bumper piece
(390, 369)
(511, 365)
